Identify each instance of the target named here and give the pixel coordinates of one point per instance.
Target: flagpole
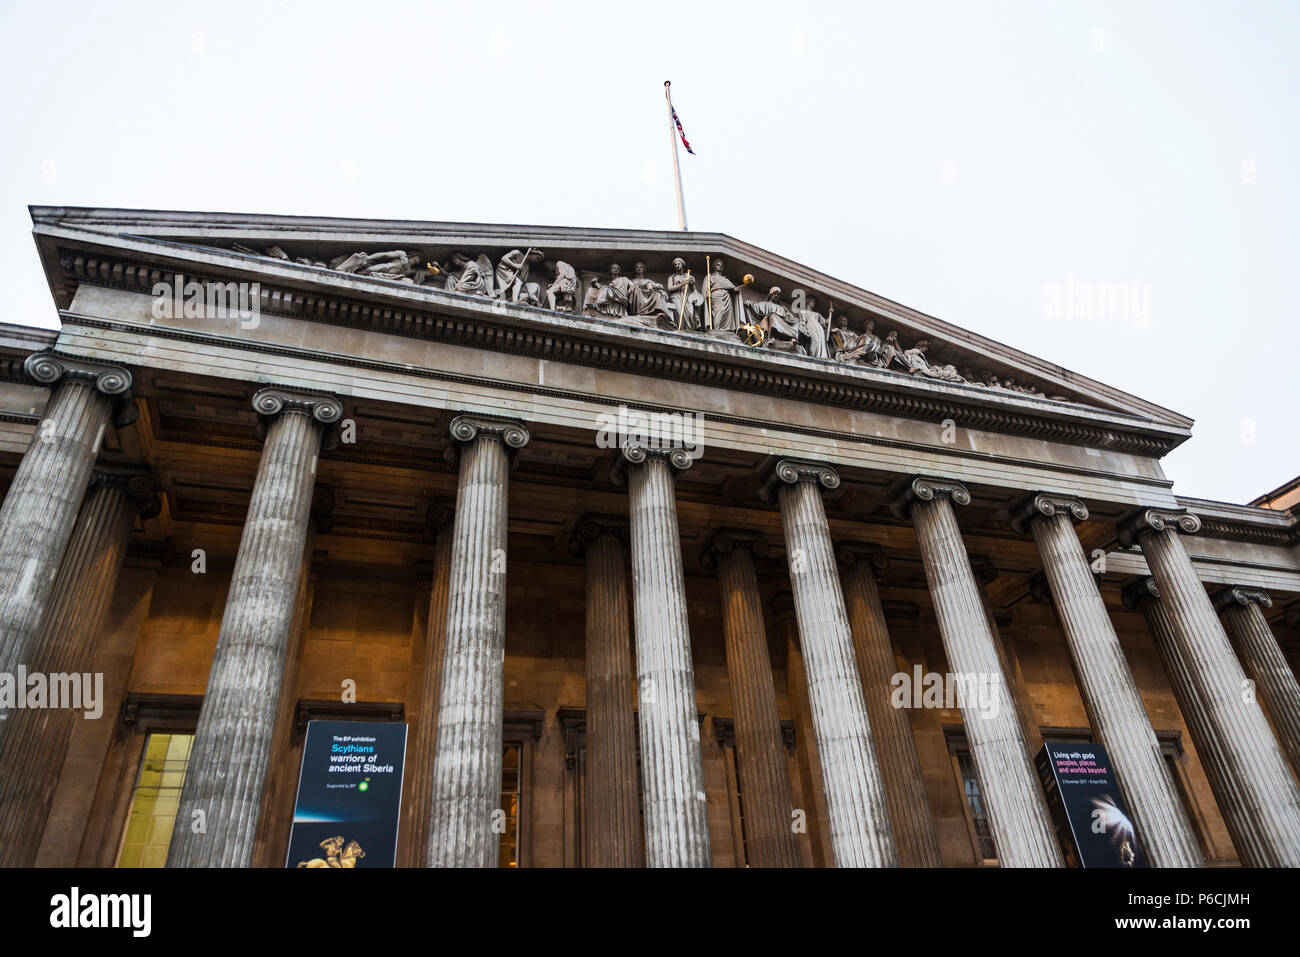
(677, 170)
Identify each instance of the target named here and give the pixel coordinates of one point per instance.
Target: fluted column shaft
(672, 769)
(860, 830)
(422, 748)
(909, 806)
(1018, 818)
(1249, 751)
(41, 506)
(221, 802)
(467, 758)
(1227, 793)
(1263, 660)
(611, 830)
(1110, 693)
(34, 743)
(760, 748)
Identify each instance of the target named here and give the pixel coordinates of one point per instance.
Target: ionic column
(809, 764)
(438, 527)
(909, 806)
(1017, 812)
(855, 792)
(1250, 752)
(220, 805)
(41, 506)
(672, 770)
(611, 830)
(467, 758)
(1243, 609)
(1106, 683)
(760, 747)
(34, 743)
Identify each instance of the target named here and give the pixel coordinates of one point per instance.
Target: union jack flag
(682, 133)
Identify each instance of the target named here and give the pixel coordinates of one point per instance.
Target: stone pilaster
(1017, 812)
(672, 771)
(760, 749)
(611, 829)
(467, 757)
(216, 823)
(41, 505)
(1243, 609)
(1106, 683)
(909, 806)
(438, 527)
(855, 792)
(1250, 752)
(34, 743)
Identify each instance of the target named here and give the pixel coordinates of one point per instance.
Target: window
(157, 795)
(508, 854)
(977, 818)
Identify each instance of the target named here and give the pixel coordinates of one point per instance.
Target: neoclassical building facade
(654, 541)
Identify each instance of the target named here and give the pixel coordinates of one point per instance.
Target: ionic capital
(1155, 520)
(137, 481)
(1134, 593)
(922, 489)
(794, 471)
(724, 541)
(870, 554)
(679, 460)
(50, 368)
(1045, 505)
(592, 527)
(274, 401)
(467, 427)
(1242, 595)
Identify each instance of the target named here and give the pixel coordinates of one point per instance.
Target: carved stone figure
(812, 328)
(683, 300)
(594, 286)
(398, 264)
(722, 295)
(858, 348)
(891, 351)
(916, 362)
(470, 278)
(512, 272)
(780, 326)
(613, 299)
(648, 299)
(563, 290)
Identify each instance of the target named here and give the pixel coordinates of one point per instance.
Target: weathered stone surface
(909, 806)
(760, 750)
(1249, 752)
(220, 804)
(855, 792)
(467, 758)
(672, 775)
(1013, 797)
(1107, 685)
(34, 743)
(1243, 610)
(41, 506)
(612, 821)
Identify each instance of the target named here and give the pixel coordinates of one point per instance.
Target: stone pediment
(705, 286)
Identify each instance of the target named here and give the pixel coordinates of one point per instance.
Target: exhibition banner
(1092, 822)
(349, 795)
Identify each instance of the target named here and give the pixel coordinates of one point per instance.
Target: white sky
(957, 157)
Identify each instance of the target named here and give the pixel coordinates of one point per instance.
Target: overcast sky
(987, 163)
